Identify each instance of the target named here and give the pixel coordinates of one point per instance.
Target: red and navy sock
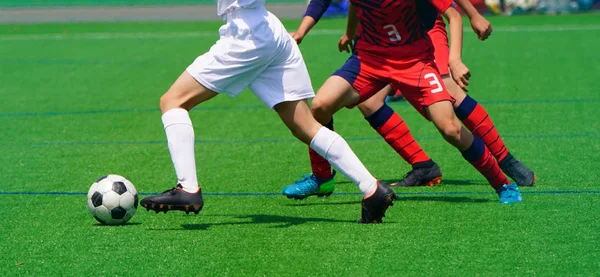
(395, 132)
(481, 158)
(478, 121)
(320, 166)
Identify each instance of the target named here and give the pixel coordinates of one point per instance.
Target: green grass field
(80, 101)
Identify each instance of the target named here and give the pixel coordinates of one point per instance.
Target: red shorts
(418, 78)
(439, 38)
(441, 52)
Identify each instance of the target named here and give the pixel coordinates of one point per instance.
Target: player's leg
(338, 91)
(473, 149)
(321, 181)
(181, 97)
(395, 132)
(422, 87)
(229, 66)
(478, 121)
(377, 196)
(473, 116)
(285, 86)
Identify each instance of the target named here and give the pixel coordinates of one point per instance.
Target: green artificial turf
(80, 101)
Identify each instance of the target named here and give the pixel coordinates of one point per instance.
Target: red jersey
(439, 23)
(396, 27)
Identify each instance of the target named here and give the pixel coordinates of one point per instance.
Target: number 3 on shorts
(392, 32)
(434, 82)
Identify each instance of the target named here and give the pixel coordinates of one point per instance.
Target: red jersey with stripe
(396, 27)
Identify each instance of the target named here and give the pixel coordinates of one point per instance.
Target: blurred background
(22, 11)
(508, 7)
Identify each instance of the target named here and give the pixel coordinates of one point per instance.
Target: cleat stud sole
(433, 182)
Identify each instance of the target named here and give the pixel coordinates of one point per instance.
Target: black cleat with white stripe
(175, 199)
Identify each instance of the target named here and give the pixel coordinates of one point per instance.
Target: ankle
(425, 164)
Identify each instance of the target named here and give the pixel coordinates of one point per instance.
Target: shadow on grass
(325, 202)
(444, 182)
(278, 220)
(281, 221)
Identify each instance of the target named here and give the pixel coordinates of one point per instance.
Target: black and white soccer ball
(112, 200)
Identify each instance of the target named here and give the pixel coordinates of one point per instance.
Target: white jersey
(228, 6)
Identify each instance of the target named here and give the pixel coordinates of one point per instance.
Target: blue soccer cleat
(310, 185)
(509, 194)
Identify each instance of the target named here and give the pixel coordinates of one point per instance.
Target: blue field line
(283, 140)
(123, 111)
(278, 194)
(69, 62)
(257, 107)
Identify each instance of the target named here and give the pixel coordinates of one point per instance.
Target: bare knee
(450, 130)
(167, 102)
(373, 104)
(170, 101)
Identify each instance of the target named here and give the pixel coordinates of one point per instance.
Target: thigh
(364, 75)
(185, 93)
(421, 85)
(333, 95)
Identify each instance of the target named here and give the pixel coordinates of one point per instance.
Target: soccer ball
(112, 200)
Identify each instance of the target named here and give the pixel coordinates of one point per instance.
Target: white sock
(336, 150)
(180, 137)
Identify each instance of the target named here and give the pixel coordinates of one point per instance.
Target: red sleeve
(441, 5)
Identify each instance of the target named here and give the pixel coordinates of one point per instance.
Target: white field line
(215, 34)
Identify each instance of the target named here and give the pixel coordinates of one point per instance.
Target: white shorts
(254, 51)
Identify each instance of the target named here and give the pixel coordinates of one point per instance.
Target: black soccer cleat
(426, 173)
(374, 207)
(175, 199)
(516, 170)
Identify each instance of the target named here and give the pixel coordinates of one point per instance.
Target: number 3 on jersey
(392, 32)
(434, 82)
